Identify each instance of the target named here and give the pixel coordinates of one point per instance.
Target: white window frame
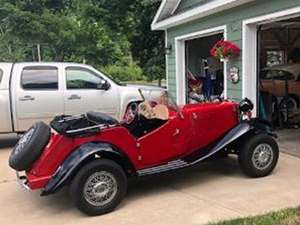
(249, 77)
(180, 60)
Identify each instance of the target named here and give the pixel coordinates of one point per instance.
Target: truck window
(80, 78)
(39, 78)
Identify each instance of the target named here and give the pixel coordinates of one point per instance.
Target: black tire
(289, 103)
(251, 147)
(80, 181)
(30, 147)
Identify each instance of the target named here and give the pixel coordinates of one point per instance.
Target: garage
(204, 74)
(265, 71)
(279, 79)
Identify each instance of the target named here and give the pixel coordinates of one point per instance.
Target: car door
(210, 122)
(37, 95)
(84, 91)
(165, 143)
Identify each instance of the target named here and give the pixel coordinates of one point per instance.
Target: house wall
(233, 19)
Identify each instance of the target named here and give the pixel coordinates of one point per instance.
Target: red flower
(224, 49)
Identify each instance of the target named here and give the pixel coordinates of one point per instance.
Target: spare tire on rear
(30, 147)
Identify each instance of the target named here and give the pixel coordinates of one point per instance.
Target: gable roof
(166, 9)
(174, 12)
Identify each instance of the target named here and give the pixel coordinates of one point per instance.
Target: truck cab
(31, 92)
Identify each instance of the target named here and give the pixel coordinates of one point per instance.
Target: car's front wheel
(99, 187)
(259, 155)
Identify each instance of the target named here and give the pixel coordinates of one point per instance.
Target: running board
(232, 135)
(173, 165)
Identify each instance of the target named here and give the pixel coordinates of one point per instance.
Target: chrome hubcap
(100, 188)
(262, 156)
(24, 139)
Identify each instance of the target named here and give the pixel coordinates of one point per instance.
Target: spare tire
(30, 147)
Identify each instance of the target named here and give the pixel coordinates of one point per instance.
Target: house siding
(233, 19)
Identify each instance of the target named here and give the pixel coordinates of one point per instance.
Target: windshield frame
(165, 98)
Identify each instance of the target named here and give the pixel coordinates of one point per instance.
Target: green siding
(233, 19)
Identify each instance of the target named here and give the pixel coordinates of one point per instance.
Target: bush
(131, 72)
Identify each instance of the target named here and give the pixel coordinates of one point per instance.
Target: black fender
(235, 134)
(244, 128)
(262, 126)
(79, 157)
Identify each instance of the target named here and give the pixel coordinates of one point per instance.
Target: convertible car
(96, 154)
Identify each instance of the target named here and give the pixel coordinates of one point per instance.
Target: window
(80, 78)
(274, 57)
(39, 78)
(1, 75)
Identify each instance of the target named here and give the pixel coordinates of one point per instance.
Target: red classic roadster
(96, 154)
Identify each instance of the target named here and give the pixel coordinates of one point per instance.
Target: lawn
(284, 217)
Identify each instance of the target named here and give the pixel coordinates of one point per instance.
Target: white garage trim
(167, 60)
(180, 60)
(249, 86)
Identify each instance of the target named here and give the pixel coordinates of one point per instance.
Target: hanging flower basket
(224, 50)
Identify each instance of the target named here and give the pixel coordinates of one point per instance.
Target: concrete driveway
(210, 192)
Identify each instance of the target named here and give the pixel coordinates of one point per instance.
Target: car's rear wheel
(259, 155)
(99, 187)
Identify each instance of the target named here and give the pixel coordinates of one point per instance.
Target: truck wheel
(99, 187)
(259, 155)
(29, 147)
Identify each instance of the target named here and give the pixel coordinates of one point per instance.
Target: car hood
(146, 87)
(149, 92)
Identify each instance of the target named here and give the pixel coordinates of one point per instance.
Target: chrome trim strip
(176, 164)
(101, 126)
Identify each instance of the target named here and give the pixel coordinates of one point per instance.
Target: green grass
(284, 217)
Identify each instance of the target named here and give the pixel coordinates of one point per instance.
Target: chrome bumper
(22, 180)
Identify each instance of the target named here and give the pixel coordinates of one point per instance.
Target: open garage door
(204, 74)
(279, 79)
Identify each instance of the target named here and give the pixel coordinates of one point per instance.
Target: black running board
(231, 136)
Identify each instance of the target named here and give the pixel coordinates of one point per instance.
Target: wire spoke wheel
(259, 155)
(100, 188)
(262, 156)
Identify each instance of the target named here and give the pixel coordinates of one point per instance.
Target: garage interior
(279, 80)
(204, 74)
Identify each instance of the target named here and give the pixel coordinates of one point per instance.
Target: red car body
(97, 155)
(200, 126)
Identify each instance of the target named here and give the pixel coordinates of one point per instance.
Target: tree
(104, 33)
(147, 45)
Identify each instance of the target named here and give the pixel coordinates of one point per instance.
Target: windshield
(113, 79)
(160, 97)
(157, 105)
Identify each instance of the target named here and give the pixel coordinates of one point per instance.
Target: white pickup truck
(31, 92)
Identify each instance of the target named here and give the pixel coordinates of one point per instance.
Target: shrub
(131, 72)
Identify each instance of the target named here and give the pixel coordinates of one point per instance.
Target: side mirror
(104, 85)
